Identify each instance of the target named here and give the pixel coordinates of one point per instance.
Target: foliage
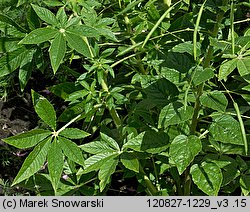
(157, 91)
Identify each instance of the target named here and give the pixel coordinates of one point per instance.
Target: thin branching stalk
(66, 125)
(239, 116)
(232, 27)
(199, 89)
(197, 24)
(159, 22)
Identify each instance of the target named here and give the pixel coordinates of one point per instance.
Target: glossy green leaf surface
(71, 150)
(105, 172)
(202, 75)
(183, 149)
(73, 133)
(174, 114)
(96, 147)
(12, 60)
(208, 177)
(39, 35)
(130, 161)
(94, 163)
(148, 141)
(226, 68)
(227, 130)
(57, 51)
(45, 14)
(75, 41)
(243, 66)
(44, 109)
(55, 163)
(215, 100)
(110, 141)
(27, 139)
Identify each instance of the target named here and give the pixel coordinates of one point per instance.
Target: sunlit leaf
(33, 162)
(208, 177)
(215, 100)
(44, 109)
(57, 51)
(27, 139)
(71, 150)
(39, 35)
(55, 163)
(183, 149)
(45, 14)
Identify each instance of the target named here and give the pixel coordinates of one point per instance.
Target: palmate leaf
(73, 133)
(39, 35)
(34, 161)
(80, 94)
(71, 150)
(96, 147)
(107, 33)
(208, 177)
(105, 172)
(83, 30)
(57, 51)
(183, 150)
(45, 14)
(110, 141)
(61, 16)
(130, 161)
(55, 163)
(75, 41)
(44, 109)
(27, 139)
(94, 162)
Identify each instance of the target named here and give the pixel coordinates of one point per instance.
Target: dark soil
(16, 116)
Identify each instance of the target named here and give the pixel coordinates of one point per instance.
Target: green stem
(137, 56)
(112, 111)
(232, 26)
(151, 189)
(156, 175)
(187, 182)
(66, 125)
(115, 117)
(199, 91)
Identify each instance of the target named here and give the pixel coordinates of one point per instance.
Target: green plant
(156, 90)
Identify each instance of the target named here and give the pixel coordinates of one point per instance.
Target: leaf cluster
(157, 91)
